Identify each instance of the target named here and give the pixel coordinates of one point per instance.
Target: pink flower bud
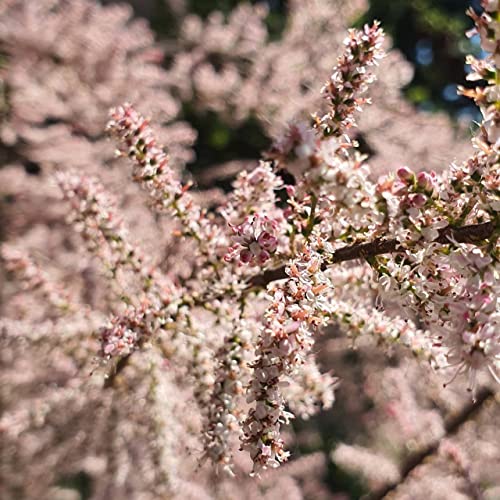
(264, 256)
(418, 200)
(266, 241)
(424, 180)
(405, 174)
(245, 256)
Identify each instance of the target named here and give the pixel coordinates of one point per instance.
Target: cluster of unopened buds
(255, 240)
(414, 190)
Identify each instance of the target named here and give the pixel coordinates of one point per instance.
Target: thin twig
(466, 234)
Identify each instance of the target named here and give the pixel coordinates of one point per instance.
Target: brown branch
(452, 426)
(466, 234)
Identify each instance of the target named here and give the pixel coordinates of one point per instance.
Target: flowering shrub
(410, 259)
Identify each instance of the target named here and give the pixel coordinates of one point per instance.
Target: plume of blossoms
(94, 214)
(225, 412)
(350, 79)
(487, 26)
(454, 288)
(258, 225)
(306, 391)
(365, 316)
(137, 140)
(253, 192)
(128, 331)
(297, 307)
(309, 389)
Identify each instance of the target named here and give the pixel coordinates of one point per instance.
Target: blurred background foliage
(430, 34)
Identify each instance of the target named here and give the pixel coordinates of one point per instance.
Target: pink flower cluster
(224, 408)
(254, 240)
(32, 277)
(95, 215)
(452, 285)
(138, 142)
(127, 332)
(350, 79)
(297, 306)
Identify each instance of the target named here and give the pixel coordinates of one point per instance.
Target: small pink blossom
(255, 240)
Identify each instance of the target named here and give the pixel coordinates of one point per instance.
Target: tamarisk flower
(257, 224)
(151, 171)
(255, 240)
(297, 307)
(350, 79)
(455, 291)
(95, 216)
(93, 213)
(487, 26)
(137, 141)
(254, 192)
(309, 390)
(357, 319)
(453, 286)
(468, 326)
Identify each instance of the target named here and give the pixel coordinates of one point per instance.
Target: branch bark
(466, 234)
